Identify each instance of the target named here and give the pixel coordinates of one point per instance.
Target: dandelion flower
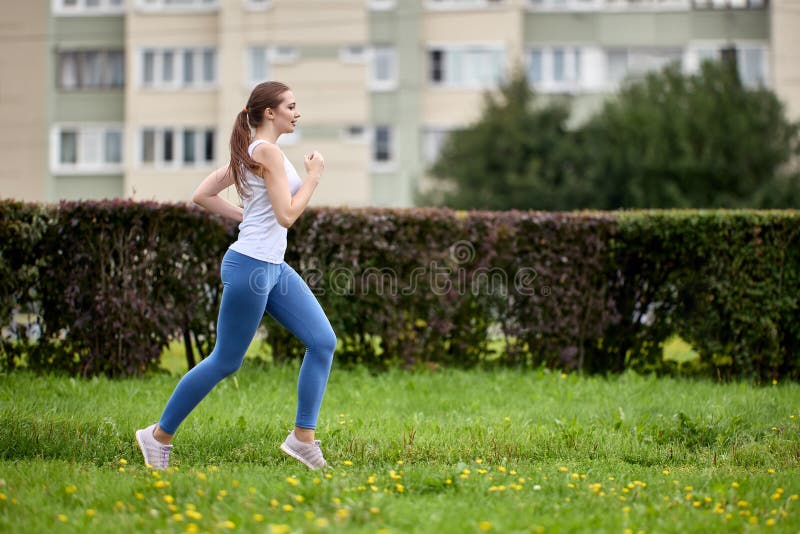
(90, 512)
(342, 513)
(485, 526)
(321, 522)
(374, 510)
(287, 508)
(177, 517)
(62, 518)
(258, 518)
(123, 461)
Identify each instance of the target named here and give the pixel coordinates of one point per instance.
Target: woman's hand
(314, 163)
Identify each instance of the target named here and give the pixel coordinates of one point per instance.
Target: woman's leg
(294, 306)
(247, 282)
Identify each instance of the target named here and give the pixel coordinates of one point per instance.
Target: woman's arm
(207, 194)
(287, 208)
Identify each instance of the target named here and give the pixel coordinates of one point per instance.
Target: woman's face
(285, 115)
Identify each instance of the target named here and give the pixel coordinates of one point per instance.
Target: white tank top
(260, 235)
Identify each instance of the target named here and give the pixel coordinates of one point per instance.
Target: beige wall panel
(785, 49)
(489, 25)
(171, 30)
(164, 186)
(345, 181)
(179, 108)
(294, 22)
(23, 103)
(327, 91)
(445, 107)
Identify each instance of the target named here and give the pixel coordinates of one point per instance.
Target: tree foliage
(668, 140)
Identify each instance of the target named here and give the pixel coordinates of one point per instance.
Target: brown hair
(264, 95)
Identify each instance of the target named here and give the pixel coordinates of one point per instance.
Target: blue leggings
(250, 287)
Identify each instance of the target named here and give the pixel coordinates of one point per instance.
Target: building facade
(137, 98)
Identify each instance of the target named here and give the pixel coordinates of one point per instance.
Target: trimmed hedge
(111, 283)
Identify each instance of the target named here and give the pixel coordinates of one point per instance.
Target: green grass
(449, 451)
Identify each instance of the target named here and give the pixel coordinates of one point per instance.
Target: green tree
(698, 141)
(517, 155)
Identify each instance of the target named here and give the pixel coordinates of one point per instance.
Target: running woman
(255, 276)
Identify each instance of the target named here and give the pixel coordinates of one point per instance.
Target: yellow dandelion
(3, 497)
(160, 484)
(123, 461)
(753, 520)
(485, 526)
(688, 488)
(626, 509)
(501, 469)
(742, 504)
(213, 468)
(734, 485)
(342, 513)
(62, 518)
(795, 497)
(348, 463)
(169, 499)
(177, 517)
(478, 460)
(771, 471)
(90, 512)
(287, 507)
(770, 522)
(400, 462)
(191, 528)
(328, 476)
(450, 481)
(373, 488)
(400, 488)
(258, 518)
(173, 508)
(374, 510)
(230, 525)
(201, 493)
(139, 496)
(697, 504)
(71, 489)
(309, 515)
(507, 419)
(321, 522)
(665, 472)
(202, 476)
(563, 469)
(299, 498)
(564, 376)
(193, 514)
(316, 480)
(336, 500)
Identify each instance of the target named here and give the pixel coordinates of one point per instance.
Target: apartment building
(139, 96)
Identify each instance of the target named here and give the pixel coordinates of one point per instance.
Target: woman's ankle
(161, 436)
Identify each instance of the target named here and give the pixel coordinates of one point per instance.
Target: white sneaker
(308, 453)
(156, 454)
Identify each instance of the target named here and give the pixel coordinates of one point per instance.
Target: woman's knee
(326, 341)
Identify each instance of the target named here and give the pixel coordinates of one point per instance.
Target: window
(383, 69)
(751, 59)
(474, 66)
(88, 7)
(177, 147)
(729, 4)
(382, 152)
(381, 5)
(257, 5)
(555, 68)
(284, 54)
(178, 5)
(169, 68)
(587, 5)
(258, 64)
(353, 54)
(91, 69)
(637, 62)
(86, 149)
(433, 139)
(462, 4)
(354, 133)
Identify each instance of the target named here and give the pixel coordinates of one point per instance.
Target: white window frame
(575, 74)
(283, 54)
(729, 4)
(178, 151)
(389, 52)
(609, 5)
(432, 148)
(256, 5)
(354, 54)
(85, 132)
(629, 51)
(692, 60)
(381, 5)
(164, 6)
(250, 80)
(389, 165)
(80, 9)
(450, 47)
(177, 67)
(463, 5)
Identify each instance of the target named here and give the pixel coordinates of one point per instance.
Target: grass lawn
(448, 451)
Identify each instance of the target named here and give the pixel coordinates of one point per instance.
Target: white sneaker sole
(299, 458)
